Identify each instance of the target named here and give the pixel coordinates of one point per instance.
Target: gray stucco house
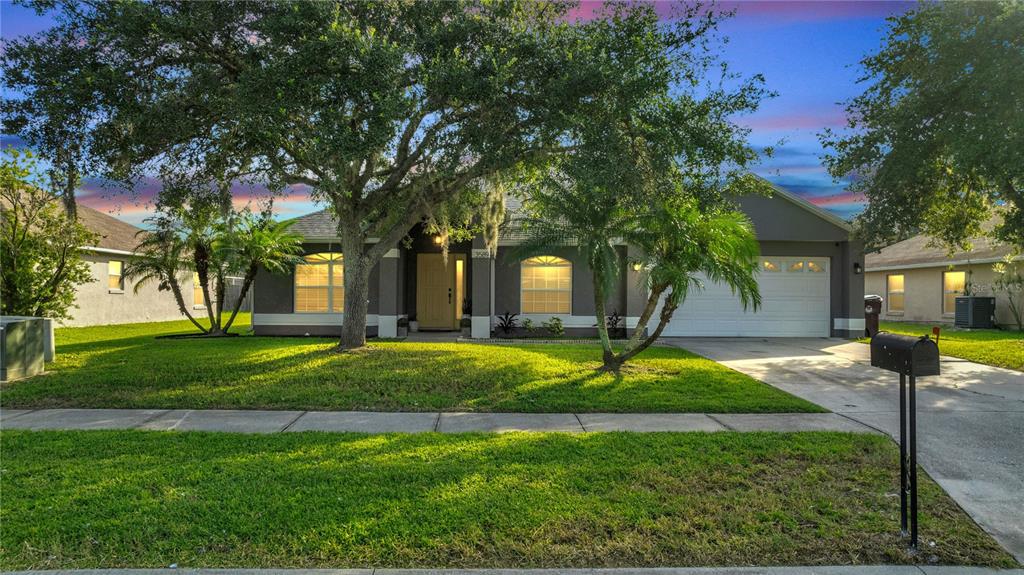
(111, 298)
(811, 283)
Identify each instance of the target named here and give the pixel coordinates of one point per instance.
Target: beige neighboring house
(920, 282)
(111, 298)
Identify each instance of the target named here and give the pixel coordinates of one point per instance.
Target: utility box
(975, 312)
(905, 354)
(22, 347)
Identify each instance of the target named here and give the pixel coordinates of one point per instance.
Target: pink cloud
(835, 117)
(841, 199)
(137, 204)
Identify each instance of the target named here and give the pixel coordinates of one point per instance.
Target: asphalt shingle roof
(114, 234)
(316, 225)
(916, 251)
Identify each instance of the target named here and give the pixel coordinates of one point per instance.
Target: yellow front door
(435, 292)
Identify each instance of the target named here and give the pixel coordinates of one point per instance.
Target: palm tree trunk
(608, 355)
(180, 300)
(203, 272)
(666, 315)
(250, 275)
(645, 316)
(219, 290)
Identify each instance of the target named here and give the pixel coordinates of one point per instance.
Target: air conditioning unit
(22, 347)
(975, 312)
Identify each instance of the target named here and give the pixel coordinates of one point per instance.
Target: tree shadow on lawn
(255, 373)
(291, 373)
(659, 380)
(472, 500)
(96, 338)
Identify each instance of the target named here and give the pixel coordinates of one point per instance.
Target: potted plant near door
(403, 326)
(414, 326)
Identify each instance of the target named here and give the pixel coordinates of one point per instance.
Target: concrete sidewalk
(384, 422)
(837, 570)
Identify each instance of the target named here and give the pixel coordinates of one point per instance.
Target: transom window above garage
(793, 265)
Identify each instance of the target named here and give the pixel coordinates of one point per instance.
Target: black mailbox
(911, 357)
(905, 354)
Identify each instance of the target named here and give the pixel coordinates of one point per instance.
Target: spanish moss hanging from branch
(492, 215)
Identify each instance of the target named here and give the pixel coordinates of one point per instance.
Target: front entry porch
(415, 286)
(419, 284)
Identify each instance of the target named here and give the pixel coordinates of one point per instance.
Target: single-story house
(111, 298)
(811, 284)
(920, 282)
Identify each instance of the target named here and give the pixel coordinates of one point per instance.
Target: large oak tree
(936, 141)
(388, 111)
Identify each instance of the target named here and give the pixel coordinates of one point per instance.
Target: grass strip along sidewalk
(127, 367)
(149, 499)
(1000, 348)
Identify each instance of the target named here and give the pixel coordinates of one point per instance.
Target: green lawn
(988, 346)
(126, 367)
(150, 499)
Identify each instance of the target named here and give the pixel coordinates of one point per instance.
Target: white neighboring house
(111, 298)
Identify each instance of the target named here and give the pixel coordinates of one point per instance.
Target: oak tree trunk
(357, 292)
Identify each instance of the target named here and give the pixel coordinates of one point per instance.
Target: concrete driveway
(970, 419)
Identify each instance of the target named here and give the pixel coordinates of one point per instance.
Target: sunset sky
(807, 51)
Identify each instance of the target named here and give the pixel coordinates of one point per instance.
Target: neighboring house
(111, 298)
(920, 282)
(811, 284)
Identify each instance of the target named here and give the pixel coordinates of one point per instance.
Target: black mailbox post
(910, 357)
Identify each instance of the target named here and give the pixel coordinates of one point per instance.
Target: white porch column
(481, 317)
(387, 290)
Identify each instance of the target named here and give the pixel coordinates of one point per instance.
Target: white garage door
(794, 303)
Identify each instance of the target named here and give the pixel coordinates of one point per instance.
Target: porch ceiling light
(636, 266)
(437, 240)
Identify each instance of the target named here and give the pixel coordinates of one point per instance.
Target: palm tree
(214, 247)
(259, 242)
(160, 257)
(681, 242)
(562, 211)
(642, 179)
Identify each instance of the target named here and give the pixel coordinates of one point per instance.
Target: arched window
(546, 285)
(319, 284)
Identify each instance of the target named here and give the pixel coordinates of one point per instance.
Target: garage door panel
(794, 304)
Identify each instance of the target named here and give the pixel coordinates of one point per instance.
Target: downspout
(490, 263)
